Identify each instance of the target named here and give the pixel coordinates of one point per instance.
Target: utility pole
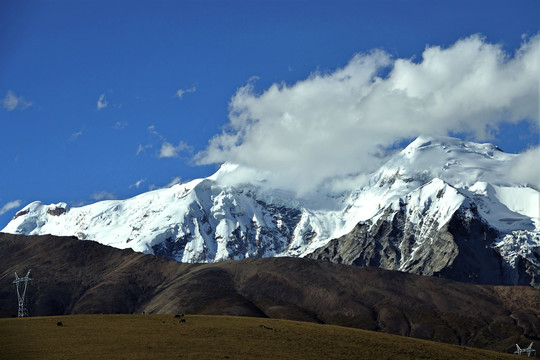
(23, 311)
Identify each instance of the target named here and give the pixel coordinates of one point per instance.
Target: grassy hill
(209, 337)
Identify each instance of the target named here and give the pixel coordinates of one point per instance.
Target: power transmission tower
(23, 311)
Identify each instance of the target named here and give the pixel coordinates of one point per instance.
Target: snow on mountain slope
(459, 163)
(421, 194)
(199, 221)
(465, 166)
(434, 194)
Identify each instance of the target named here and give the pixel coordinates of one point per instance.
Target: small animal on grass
(59, 324)
(181, 317)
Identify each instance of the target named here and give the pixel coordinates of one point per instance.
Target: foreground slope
(81, 277)
(209, 337)
(441, 207)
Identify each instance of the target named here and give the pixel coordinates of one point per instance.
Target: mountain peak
(459, 163)
(434, 186)
(432, 140)
(424, 142)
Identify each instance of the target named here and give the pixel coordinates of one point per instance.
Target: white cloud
(141, 148)
(119, 125)
(333, 124)
(173, 182)
(152, 130)
(180, 92)
(168, 150)
(9, 206)
(102, 102)
(12, 102)
(137, 184)
(525, 169)
(102, 195)
(75, 135)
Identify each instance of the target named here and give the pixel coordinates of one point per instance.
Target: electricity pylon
(23, 311)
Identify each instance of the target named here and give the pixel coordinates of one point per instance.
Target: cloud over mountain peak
(334, 124)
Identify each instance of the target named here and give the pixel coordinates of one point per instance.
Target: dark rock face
(263, 237)
(460, 250)
(21, 213)
(388, 245)
(476, 261)
(171, 248)
(57, 211)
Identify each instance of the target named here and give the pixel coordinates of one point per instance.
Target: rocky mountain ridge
(441, 206)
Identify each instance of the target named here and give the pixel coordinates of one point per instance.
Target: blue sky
(108, 99)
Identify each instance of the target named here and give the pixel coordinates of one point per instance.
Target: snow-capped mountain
(441, 206)
(431, 210)
(199, 221)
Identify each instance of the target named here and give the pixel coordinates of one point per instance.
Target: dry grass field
(209, 337)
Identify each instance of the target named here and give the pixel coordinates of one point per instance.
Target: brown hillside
(118, 337)
(76, 277)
